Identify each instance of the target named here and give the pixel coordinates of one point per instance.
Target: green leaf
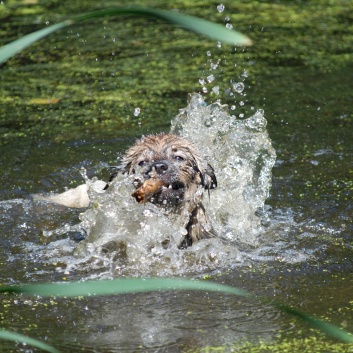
(119, 286)
(134, 285)
(198, 25)
(16, 337)
(191, 23)
(9, 50)
(331, 330)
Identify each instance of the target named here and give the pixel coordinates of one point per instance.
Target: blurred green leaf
(198, 25)
(119, 286)
(16, 337)
(134, 285)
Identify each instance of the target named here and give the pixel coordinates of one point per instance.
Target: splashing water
(125, 238)
(241, 153)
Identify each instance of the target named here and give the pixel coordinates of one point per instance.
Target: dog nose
(160, 167)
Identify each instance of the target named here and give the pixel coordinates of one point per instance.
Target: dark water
(306, 256)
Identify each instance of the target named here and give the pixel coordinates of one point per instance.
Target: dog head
(174, 162)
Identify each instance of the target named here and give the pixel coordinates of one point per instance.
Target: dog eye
(178, 158)
(142, 163)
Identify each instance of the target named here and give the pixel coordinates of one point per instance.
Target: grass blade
(16, 337)
(331, 330)
(191, 23)
(134, 285)
(119, 286)
(198, 25)
(11, 49)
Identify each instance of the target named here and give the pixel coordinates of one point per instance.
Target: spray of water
(241, 153)
(126, 238)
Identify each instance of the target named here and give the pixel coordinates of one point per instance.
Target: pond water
(284, 200)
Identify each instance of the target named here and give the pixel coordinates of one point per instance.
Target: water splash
(126, 238)
(220, 7)
(137, 111)
(238, 87)
(241, 153)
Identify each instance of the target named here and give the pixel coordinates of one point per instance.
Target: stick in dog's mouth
(156, 187)
(148, 189)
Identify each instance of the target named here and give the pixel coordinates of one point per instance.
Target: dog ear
(209, 178)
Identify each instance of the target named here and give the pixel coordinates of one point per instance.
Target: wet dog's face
(173, 163)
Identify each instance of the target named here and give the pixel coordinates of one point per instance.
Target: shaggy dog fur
(175, 164)
(169, 173)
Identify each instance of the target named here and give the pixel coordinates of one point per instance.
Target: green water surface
(69, 101)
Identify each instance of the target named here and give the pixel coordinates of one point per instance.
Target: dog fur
(177, 163)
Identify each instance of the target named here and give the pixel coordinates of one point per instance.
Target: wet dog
(170, 173)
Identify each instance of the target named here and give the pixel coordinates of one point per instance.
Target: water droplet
(229, 25)
(219, 44)
(238, 87)
(241, 115)
(204, 89)
(208, 53)
(245, 74)
(233, 107)
(215, 65)
(220, 7)
(257, 122)
(210, 78)
(215, 89)
(137, 111)
(318, 108)
(202, 81)
(227, 19)
(241, 103)
(47, 22)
